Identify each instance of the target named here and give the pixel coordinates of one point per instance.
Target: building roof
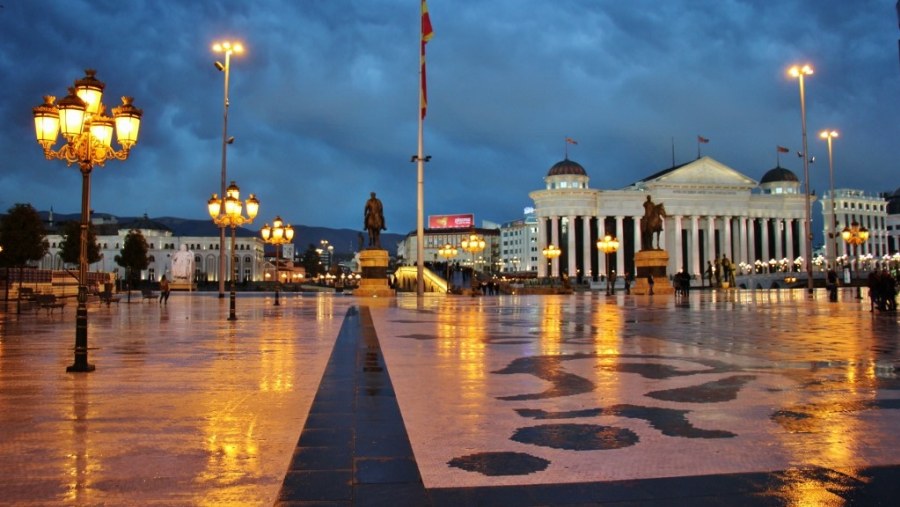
(567, 166)
(779, 174)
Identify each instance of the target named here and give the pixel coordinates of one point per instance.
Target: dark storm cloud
(323, 105)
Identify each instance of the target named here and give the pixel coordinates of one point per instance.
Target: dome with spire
(567, 167)
(779, 174)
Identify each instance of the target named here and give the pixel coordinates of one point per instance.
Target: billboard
(451, 221)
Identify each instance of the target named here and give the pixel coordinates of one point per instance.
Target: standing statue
(654, 214)
(374, 221)
(183, 264)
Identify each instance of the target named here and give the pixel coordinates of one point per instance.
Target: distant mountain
(345, 241)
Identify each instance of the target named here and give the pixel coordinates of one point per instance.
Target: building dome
(779, 174)
(565, 167)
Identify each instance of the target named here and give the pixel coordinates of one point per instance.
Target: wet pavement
(721, 398)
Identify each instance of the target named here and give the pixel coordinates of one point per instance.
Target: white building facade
(711, 210)
(850, 206)
(518, 244)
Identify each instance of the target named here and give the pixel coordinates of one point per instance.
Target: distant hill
(345, 241)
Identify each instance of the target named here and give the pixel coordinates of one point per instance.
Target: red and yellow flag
(427, 33)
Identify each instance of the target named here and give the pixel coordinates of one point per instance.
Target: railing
(407, 276)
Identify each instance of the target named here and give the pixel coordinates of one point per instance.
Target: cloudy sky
(324, 102)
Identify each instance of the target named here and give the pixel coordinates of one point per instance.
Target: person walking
(164, 290)
(650, 283)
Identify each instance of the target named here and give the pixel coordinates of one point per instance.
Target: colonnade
(690, 240)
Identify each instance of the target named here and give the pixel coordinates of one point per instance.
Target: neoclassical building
(711, 210)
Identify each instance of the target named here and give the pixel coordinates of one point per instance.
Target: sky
(324, 102)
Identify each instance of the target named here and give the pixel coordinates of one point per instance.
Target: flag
(427, 33)
(571, 141)
(701, 139)
(782, 149)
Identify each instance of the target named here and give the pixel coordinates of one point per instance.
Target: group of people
(722, 271)
(882, 291)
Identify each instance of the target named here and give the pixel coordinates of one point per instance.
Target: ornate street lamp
(855, 235)
(278, 234)
(608, 245)
(81, 118)
(473, 244)
(799, 73)
(828, 135)
(448, 251)
(228, 212)
(228, 48)
(551, 252)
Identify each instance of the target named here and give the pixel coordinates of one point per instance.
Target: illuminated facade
(851, 206)
(712, 210)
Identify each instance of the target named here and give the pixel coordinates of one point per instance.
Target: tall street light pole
(608, 245)
(81, 117)
(473, 244)
(228, 212)
(799, 72)
(227, 48)
(828, 135)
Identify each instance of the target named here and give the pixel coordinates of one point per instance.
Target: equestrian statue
(654, 215)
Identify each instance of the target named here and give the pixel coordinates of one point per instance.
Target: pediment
(703, 172)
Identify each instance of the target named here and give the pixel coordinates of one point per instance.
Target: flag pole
(424, 36)
(777, 157)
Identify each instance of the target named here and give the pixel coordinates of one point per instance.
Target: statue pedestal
(374, 281)
(182, 285)
(653, 263)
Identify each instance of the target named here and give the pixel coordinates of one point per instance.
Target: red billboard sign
(451, 221)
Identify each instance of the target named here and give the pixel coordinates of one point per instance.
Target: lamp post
(551, 252)
(227, 48)
(88, 132)
(448, 251)
(278, 234)
(473, 244)
(228, 212)
(855, 235)
(828, 135)
(608, 245)
(799, 73)
(326, 247)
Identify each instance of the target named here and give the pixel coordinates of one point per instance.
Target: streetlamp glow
(228, 48)
(448, 251)
(228, 212)
(608, 245)
(855, 235)
(551, 252)
(828, 135)
(80, 117)
(799, 71)
(473, 244)
(277, 234)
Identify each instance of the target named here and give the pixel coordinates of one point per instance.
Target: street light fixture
(855, 235)
(799, 72)
(551, 252)
(278, 234)
(608, 245)
(448, 251)
(81, 118)
(828, 135)
(473, 244)
(226, 47)
(228, 212)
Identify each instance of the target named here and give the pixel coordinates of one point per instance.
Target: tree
(311, 261)
(70, 248)
(23, 236)
(133, 257)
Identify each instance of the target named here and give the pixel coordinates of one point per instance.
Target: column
(764, 235)
(601, 257)
(554, 239)
(742, 241)
(541, 245)
(711, 238)
(751, 241)
(695, 246)
(637, 233)
(804, 234)
(570, 248)
(789, 230)
(620, 257)
(727, 240)
(779, 248)
(586, 247)
(679, 262)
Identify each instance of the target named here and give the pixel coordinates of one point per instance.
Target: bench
(108, 297)
(147, 293)
(49, 302)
